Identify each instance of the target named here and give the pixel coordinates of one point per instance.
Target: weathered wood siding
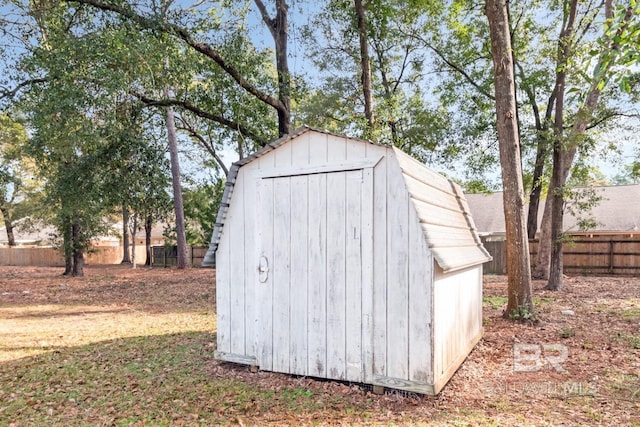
(309, 225)
(403, 274)
(323, 269)
(457, 319)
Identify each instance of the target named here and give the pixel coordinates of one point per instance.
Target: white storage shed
(343, 259)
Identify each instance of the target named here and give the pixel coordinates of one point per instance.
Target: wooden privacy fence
(167, 256)
(39, 256)
(582, 255)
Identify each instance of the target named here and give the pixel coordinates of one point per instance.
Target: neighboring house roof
(617, 211)
(43, 235)
(444, 215)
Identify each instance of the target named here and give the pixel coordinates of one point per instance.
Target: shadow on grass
(47, 314)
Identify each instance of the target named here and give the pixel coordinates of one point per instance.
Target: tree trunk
(148, 225)
(279, 28)
(365, 64)
(536, 188)
(559, 155)
(606, 60)
(67, 246)
(557, 206)
(134, 228)
(8, 224)
(543, 256)
(177, 189)
(126, 258)
(78, 252)
(520, 303)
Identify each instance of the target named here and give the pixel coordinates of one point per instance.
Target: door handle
(263, 269)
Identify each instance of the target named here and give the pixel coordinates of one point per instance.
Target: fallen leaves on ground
(135, 347)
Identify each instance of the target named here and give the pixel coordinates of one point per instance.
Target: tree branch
(13, 92)
(201, 113)
(530, 95)
(606, 117)
(209, 147)
(266, 18)
(184, 35)
(456, 68)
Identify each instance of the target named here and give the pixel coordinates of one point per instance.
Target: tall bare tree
(520, 303)
(279, 28)
(365, 64)
(618, 45)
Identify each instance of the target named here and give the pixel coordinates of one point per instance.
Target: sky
(300, 64)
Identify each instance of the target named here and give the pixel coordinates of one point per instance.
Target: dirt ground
(580, 365)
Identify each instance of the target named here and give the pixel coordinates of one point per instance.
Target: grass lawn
(135, 347)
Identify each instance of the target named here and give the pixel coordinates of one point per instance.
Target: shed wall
(457, 313)
(294, 322)
(346, 288)
(403, 275)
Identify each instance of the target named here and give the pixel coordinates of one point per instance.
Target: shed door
(315, 274)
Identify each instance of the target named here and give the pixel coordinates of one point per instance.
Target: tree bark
(134, 228)
(548, 258)
(67, 246)
(279, 28)
(536, 189)
(8, 224)
(543, 256)
(542, 150)
(148, 225)
(78, 252)
(365, 64)
(178, 206)
(520, 302)
(559, 156)
(126, 258)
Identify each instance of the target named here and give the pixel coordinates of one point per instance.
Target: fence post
(611, 253)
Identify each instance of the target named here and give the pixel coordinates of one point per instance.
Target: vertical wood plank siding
(420, 304)
(457, 318)
(325, 271)
(397, 296)
(317, 340)
(237, 292)
(379, 296)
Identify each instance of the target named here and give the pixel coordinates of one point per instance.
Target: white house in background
(617, 213)
(38, 236)
(42, 236)
(343, 259)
